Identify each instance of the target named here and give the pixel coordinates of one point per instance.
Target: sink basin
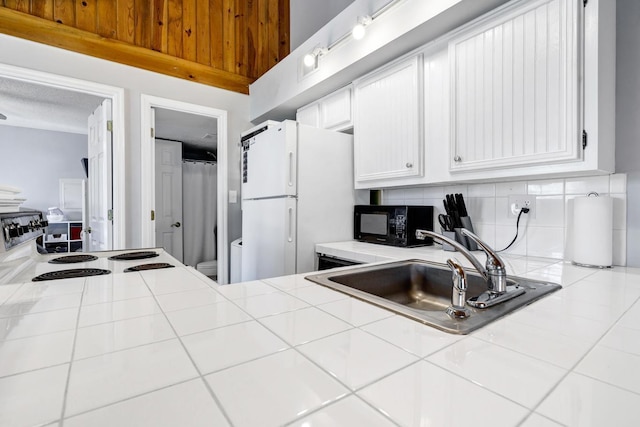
(422, 291)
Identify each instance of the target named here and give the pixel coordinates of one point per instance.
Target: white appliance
(297, 190)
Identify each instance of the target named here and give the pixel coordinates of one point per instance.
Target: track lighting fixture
(359, 30)
(311, 59)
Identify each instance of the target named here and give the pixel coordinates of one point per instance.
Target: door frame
(147, 170)
(116, 94)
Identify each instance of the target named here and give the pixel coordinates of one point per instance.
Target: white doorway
(117, 165)
(148, 178)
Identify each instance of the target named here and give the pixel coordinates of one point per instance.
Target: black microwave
(392, 225)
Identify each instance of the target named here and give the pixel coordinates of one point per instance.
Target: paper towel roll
(593, 231)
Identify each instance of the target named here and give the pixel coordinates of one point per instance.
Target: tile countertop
(170, 347)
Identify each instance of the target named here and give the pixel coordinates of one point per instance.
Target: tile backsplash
(545, 235)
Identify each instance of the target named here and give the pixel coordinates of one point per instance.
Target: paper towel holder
(592, 193)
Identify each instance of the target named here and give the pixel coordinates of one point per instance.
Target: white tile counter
(151, 349)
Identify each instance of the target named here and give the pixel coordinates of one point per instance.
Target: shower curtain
(199, 211)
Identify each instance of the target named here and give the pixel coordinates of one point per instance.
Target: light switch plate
(233, 196)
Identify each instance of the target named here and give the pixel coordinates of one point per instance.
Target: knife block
(457, 235)
(466, 223)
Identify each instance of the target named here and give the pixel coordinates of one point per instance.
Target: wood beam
(39, 30)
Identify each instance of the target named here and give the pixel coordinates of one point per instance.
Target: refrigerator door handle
(290, 168)
(290, 239)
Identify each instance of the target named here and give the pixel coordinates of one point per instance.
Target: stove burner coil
(70, 274)
(143, 267)
(72, 259)
(133, 256)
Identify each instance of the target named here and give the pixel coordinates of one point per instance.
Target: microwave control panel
(398, 226)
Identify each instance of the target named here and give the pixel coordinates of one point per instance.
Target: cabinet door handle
(409, 165)
(457, 158)
(176, 224)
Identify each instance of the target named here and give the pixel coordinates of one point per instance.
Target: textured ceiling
(199, 132)
(42, 107)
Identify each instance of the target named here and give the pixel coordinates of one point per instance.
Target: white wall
(26, 54)
(27, 163)
(628, 117)
(308, 16)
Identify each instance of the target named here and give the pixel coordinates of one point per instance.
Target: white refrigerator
(297, 190)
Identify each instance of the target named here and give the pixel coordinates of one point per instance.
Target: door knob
(176, 225)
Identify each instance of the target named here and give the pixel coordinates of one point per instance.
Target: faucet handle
(495, 267)
(457, 309)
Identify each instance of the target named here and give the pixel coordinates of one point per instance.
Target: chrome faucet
(493, 272)
(457, 310)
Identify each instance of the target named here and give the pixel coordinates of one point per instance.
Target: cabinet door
(309, 115)
(332, 112)
(515, 88)
(387, 123)
(336, 110)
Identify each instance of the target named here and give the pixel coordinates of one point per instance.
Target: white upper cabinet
(515, 88)
(388, 123)
(309, 115)
(333, 112)
(526, 90)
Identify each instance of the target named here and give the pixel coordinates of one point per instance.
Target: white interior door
(100, 193)
(168, 192)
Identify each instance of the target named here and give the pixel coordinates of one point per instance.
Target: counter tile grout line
(351, 391)
(607, 383)
(195, 366)
(115, 301)
(297, 350)
(126, 349)
(40, 334)
(15, 374)
(572, 369)
(403, 349)
(479, 385)
(319, 307)
(116, 402)
(532, 356)
(73, 352)
(521, 423)
(355, 395)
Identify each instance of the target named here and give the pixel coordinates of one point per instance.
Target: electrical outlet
(519, 201)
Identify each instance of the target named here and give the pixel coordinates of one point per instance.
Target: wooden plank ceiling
(223, 43)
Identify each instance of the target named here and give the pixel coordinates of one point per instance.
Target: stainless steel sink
(422, 291)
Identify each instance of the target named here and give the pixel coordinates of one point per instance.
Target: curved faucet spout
(494, 272)
(421, 234)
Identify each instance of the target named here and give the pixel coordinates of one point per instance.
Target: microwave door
(376, 224)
